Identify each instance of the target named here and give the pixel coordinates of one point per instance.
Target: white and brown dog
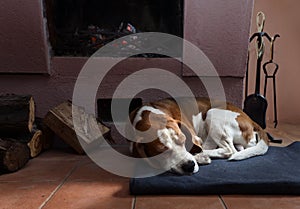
(219, 132)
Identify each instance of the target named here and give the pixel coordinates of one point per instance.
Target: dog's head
(169, 139)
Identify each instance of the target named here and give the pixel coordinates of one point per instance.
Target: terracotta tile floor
(60, 179)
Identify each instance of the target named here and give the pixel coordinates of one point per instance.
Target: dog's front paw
(236, 156)
(224, 153)
(202, 159)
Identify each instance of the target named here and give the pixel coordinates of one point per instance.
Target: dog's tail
(260, 148)
(262, 134)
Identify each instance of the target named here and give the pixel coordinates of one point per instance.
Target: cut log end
(36, 144)
(17, 114)
(31, 116)
(13, 155)
(17, 128)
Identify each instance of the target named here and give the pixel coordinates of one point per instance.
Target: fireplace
(81, 27)
(219, 28)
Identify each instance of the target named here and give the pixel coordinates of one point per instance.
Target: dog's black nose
(188, 167)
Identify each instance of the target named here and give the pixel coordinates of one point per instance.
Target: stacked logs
(20, 136)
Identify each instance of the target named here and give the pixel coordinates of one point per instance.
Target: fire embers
(87, 41)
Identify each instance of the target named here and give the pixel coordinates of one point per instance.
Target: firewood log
(13, 155)
(35, 144)
(60, 121)
(17, 113)
(34, 140)
(47, 136)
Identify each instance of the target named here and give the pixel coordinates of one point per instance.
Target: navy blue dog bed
(277, 172)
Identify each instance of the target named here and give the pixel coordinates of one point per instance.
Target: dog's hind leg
(260, 149)
(213, 150)
(209, 144)
(226, 143)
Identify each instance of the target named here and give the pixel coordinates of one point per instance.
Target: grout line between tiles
(59, 186)
(223, 202)
(133, 202)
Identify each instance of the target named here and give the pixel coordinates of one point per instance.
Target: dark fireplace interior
(81, 27)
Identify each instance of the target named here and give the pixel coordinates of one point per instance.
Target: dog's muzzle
(188, 167)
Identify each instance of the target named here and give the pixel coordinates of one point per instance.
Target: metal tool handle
(272, 46)
(260, 21)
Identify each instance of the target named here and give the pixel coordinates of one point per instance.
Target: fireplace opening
(81, 27)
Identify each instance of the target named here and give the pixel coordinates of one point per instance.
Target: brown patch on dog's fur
(173, 119)
(248, 126)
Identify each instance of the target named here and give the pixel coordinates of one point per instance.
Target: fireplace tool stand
(255, 105)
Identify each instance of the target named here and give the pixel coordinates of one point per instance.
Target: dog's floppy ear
(161, 147)
(190, 135)
(151, 149)
(140, 149)
(164, 138)
(197, 141)
(185, 130)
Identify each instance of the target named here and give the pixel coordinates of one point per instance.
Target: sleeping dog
(216, 132)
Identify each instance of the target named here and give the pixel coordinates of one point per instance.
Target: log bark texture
(13, 155)
(17, 113)
(60, 121)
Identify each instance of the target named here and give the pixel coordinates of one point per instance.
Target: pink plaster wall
(57, 86)
(23, 41)
(221, 30)
(282, 17)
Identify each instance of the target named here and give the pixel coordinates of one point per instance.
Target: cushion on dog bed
(277, 172)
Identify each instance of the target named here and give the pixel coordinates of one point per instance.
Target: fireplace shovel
(255, 105)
